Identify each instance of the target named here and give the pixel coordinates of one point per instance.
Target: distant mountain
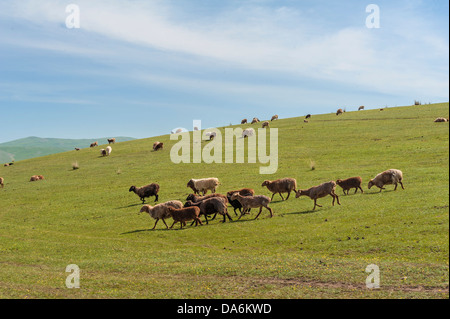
(31, 147)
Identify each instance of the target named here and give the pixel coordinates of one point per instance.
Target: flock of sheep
(245, 199)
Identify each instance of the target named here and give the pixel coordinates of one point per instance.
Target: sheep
(389, 177)
(361, 108)
(34, 178)
(285, 185)
(111, 141)
(146, 191)
(305, 121)
(349, 183)
(40, 177)
(210, 135)
(94, 144)
(77, 149)
(441, 120)
(203, 185)
(275, 117)
(339, 112)
(255, 120)
(308, 116)
(320, 191)
(248, 202)
(160, 211)
(2, 182)
(185, 214)
(6, 164)
(244, 121)
(103, 152)
(235, 203)
(108, 150)
(265, 124)
(158, 146)
(213, 205)
(248, 132)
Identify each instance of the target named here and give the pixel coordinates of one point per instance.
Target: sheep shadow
(378, 192)
(131, 205)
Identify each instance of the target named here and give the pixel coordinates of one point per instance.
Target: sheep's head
(132, 189)
(299, 193)
(265, 183)
(339, 181)
(370, 184)
(188, 204)
(146, 209)
(190, 197)
(234, 195)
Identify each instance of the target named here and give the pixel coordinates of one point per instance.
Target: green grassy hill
(87, 217)
(32, 147)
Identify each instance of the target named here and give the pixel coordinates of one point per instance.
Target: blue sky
(141, 68)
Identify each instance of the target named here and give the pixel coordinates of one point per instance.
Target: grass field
(87, 217)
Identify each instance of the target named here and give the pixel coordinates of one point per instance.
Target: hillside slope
(32, 147)
(87, 217)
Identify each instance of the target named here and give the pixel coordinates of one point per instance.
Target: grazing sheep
(203, 185)
(285, 185)
(320, 191)
(265, 124)
(184, 215)
(213, 205)
(160, 211)
(103, 152)
(34, 178)
(40, 177)
(77, 149)
(275, 117)
(108, 150)
(441, 120)
(2, 182)
(235, 203)
(305, 121)
(94, 144)
(6, 164)
(249, 202)
(381, 110)
(308, 116)
(389, 177)
(146, 191)
(210, 135)
(111, 141)
(349, 183)
(339, 112)
(244, 121)
(158, 146)
(255, 120)
(248, 132)
(361, 108)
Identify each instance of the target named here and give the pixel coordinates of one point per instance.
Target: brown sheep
(235, 203)
(339, 112)
(244, 121)
(349, 183)
(34, 178)
(320, 191)
(2, 182)
(255, 120)
(184, 215)
(265, 124)
(213, 205)
(441, 120)
(249, 202)
(285, 185)
(94, 144)
(158, 146)
(275, 117)
(361, 108)
(308, 116)
(146, 191)
(111, 140)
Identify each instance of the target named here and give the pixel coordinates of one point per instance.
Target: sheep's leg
(270, 210)
(289, 194)
(173, 224)
(260, 210)
(337, 197)
(214, 217)
(154, 226)
(156, 197)
(395, 188)
(402, 185)
(229, 217)
(143, 200)
(272, 196)
(206, 218)
(164, 223)
(281, 196)
(361, 189)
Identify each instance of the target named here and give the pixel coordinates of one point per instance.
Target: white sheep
(108, 150)
(160, 211)
(389, 177)
(203, 185)
(248, 132)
